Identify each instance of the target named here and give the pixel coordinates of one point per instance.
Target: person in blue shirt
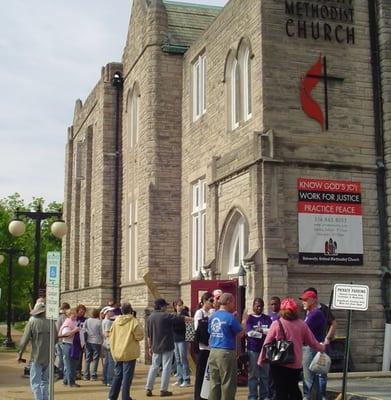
(223, 328)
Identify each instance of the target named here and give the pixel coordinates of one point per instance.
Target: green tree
(23, 276)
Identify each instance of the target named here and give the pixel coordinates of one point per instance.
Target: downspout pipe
(117, 83)
(380, 161)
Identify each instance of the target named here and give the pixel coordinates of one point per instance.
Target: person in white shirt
(201, 321)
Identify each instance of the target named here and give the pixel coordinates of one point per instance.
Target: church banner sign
(329, 222)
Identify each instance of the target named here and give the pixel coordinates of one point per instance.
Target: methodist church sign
(329, 222)
(326, 20)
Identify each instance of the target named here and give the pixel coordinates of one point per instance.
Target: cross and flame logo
(317, 73)
(308, 83)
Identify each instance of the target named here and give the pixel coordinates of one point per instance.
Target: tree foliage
(23, 276)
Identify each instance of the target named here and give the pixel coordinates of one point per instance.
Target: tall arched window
(133, 116)
(234, 243)
(235, 94)
(238, 76)
(247, 105)
(238, 246)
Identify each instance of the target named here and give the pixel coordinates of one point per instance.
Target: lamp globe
(17, 227)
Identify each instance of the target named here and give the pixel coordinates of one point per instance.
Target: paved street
(365, 384)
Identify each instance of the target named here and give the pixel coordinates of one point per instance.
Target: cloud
(51, 53)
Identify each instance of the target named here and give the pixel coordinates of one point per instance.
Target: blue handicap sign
(53, 272)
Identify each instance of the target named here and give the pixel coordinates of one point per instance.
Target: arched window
(234, 243)
(235, 94)
(238, 76)
(239, 245)
(133, 116)
(247, 105)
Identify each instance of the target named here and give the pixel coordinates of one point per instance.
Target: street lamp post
(17, 228)
(23, 261)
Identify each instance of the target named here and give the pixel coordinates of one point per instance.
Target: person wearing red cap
(316, 321)
(286, 377)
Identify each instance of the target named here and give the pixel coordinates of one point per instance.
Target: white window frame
(239, 237)
(247, 88)
(198, 225)
(199, 87)
(235, 94)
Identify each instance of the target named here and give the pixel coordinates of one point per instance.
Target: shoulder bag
(280, 351)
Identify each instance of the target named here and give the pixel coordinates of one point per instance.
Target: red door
(199, 287)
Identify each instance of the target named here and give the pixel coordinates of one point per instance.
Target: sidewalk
(14, 387)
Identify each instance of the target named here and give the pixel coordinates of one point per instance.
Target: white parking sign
(350, 297)
(53, 284)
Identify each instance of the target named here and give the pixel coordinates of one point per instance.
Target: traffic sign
(53, 284)
(350, 297)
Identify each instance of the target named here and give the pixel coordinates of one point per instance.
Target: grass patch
(20, 325)
(5, 349)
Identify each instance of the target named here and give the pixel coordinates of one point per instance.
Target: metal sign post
(52, 306)
(349, 297)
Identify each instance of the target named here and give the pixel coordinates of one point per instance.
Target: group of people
(217, 348)
(112, 331)
(116, 333)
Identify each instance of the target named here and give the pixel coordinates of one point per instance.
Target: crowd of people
(112, 334)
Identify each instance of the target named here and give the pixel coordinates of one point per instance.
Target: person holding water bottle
(257, 326)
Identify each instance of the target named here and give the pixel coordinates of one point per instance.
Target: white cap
(106, 309)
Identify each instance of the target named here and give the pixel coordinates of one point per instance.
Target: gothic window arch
(133, 111)
(235, 243)
(238, 78)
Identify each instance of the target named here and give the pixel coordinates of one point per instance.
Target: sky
(51, 54)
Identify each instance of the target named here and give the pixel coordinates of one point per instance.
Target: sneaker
(86, 378)
(74, 385)
(165, 393)
(148, 393)
(177, 383)
(185, 384)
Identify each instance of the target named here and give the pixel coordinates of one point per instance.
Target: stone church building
(252, 139)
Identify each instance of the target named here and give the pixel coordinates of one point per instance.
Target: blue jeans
(108, 367)
(258, 378)
(164, 359)
(39, 380)
(182, 364)
(123, 376)
(92, 351)
(69, 365)
(309, 378)
(60, 359)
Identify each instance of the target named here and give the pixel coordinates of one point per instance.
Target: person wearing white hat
(108, 364)
(38, 332)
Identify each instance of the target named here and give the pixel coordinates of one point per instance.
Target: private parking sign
(350, 297)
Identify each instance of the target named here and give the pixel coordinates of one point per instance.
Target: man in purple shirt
(317, 322)
(257, 326)
(275, 304)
